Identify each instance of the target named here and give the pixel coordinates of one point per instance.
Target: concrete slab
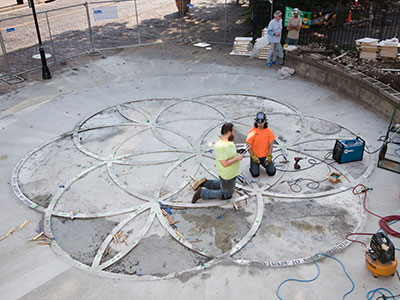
(210, 87)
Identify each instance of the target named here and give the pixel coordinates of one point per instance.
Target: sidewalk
(11, 5)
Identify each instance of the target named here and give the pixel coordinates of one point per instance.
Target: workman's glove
(269, 158)
(255, 158)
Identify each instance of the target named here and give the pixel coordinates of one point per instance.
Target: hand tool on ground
(296, 164)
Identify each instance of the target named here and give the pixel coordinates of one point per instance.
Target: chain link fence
(91, 27)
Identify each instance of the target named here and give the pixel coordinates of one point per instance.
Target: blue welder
(349, 150)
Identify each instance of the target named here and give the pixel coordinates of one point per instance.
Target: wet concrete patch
(214, 229)
(81, 238)
(158, 256)
(301, 229)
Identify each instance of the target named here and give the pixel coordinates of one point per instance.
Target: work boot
(198, 183)
(196, 196)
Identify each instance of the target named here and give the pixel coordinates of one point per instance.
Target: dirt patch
(373, 68)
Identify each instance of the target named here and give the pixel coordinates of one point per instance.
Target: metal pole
(182, 20)
(45, 69)
(3, 48)
(137, 22)
(225, 24)
(92, 50)
(51, 38)
(272, 7)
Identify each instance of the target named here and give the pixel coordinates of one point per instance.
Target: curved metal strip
(254, 228)
(14, 177)
(133, 244)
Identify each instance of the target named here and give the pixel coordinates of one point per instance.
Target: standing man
(228, 168)
(293, 27)
(274, 37)
(261, 138)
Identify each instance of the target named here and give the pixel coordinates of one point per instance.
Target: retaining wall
(380, 97)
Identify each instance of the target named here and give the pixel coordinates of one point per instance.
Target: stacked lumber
(368, 48)
(242, 46)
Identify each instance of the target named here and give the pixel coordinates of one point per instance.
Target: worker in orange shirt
(261, 138)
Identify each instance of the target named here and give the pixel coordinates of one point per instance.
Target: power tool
(296, 162)
(380, 258)
(346, 151)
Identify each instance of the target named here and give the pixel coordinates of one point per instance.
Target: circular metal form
(116, 190)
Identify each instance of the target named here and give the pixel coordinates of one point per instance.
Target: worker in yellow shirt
(261, 138)
(227, 162)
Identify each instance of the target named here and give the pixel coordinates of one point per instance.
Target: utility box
(348, 150)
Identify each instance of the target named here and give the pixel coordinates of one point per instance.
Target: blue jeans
(290, 41)
(275, 49)
(218, 188)
(255, 168)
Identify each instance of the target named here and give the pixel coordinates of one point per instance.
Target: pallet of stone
(368, 48)
(263, 53)
(389, 48)
(242, 46)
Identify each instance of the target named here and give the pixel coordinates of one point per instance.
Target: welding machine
(380, 258)
(348, 150)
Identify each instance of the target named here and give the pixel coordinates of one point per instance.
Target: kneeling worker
(261, 138)
(228, 168)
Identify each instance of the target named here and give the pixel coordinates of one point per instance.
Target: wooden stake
(173, 223)
(71, 215)
(235, 206)
(25, 224)
(46, 235)
(240, 193)
(12, 230)
(36, 237)
(106, 251)
(4, 237)
(180, 234)
(44, 243)
(125, 241)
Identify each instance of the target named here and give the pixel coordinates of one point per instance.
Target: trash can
(20, 1)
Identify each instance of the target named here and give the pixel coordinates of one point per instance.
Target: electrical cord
(319, 272)
(313, 162)
(387, 141)
(383, 222)
(371, 293)
(294, 183)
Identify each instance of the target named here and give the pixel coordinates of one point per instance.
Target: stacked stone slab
(263, 54)
(389, 48)
(242, 45)
(368, 48)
